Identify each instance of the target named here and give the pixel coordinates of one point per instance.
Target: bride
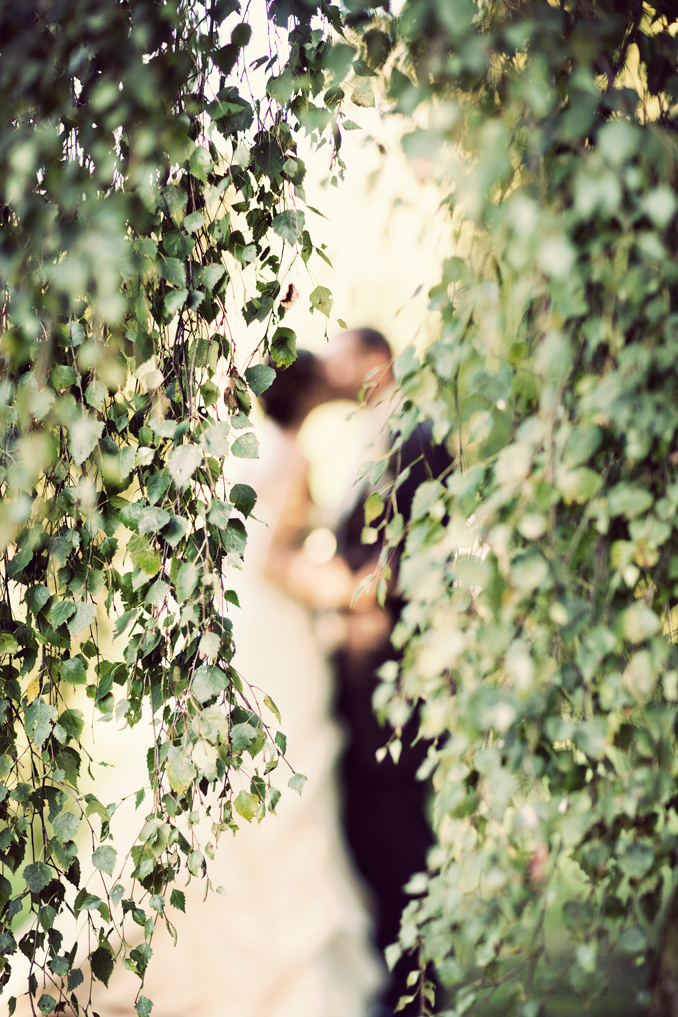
(290, 933)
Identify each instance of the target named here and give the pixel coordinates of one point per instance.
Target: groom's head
(353, 355)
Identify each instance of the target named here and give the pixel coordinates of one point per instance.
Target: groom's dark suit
(384, 803)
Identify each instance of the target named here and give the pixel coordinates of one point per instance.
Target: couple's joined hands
(324, 586)
(332, 586)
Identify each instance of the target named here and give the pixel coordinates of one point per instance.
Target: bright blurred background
(385, 235)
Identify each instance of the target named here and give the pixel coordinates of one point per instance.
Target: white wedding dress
(290, 937)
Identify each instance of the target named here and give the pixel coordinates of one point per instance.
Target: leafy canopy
(138, 175)
(540, 574)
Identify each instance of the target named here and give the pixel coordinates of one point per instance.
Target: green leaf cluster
(540, 573)
(137, 172)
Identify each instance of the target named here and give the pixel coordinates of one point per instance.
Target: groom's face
(346, 363)
(343, 364)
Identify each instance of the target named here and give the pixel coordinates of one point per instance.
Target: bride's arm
(327, 586)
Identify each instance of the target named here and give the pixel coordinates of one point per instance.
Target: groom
(383, 802)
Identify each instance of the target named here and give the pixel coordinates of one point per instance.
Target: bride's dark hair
(295, 390)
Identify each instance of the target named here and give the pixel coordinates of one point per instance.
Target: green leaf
(246, 805)
(578, 485)
(639, 623)
(152, 519)
(164, 429)
(75, 978)
(196, 863)
(95, 393)
(244, 498)
(640, 676)
(281, 87)
(175, 530)
(246, 446)
(104, 858)
(363, 94)
(60, 612)
(157, 902)
(632, 940)
(242, 735)
(235, 537)
(37, 875)
(628, 500)
(268, 154)
(73, 671)
(157, 593)
(5, 888)
(259, 377)
(272, 798)
(66, 826)
(284, 347)
(8, 643)
(289, 225)
(183, 462)
(72, 721)
(83, 435)
(40, 716)
(296, 783)
(208, 681)
(46, 917)
(63, 376)
(219, 513)
(212, 724)
(149, 560)
(637, 860)
(273, 708)
(37, 597)
(295, 170)
(178, 900)
(660, 204)
(180, 772)
(143, 1006)
(187, 580)
(426, 496)
(68, 760)
(322, 300)
(200, 163)
(173, 270)
(454, 270)
(94, 807)
(102, 964)
(214, 439)
(156, 487)
(177, 245)
(194, 222)
(173, 302)
(85, 615)
(46, 1003)
(211, 275)
(374, 506)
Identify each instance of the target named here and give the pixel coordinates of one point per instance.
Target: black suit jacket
(357, 673)
(425, 460)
